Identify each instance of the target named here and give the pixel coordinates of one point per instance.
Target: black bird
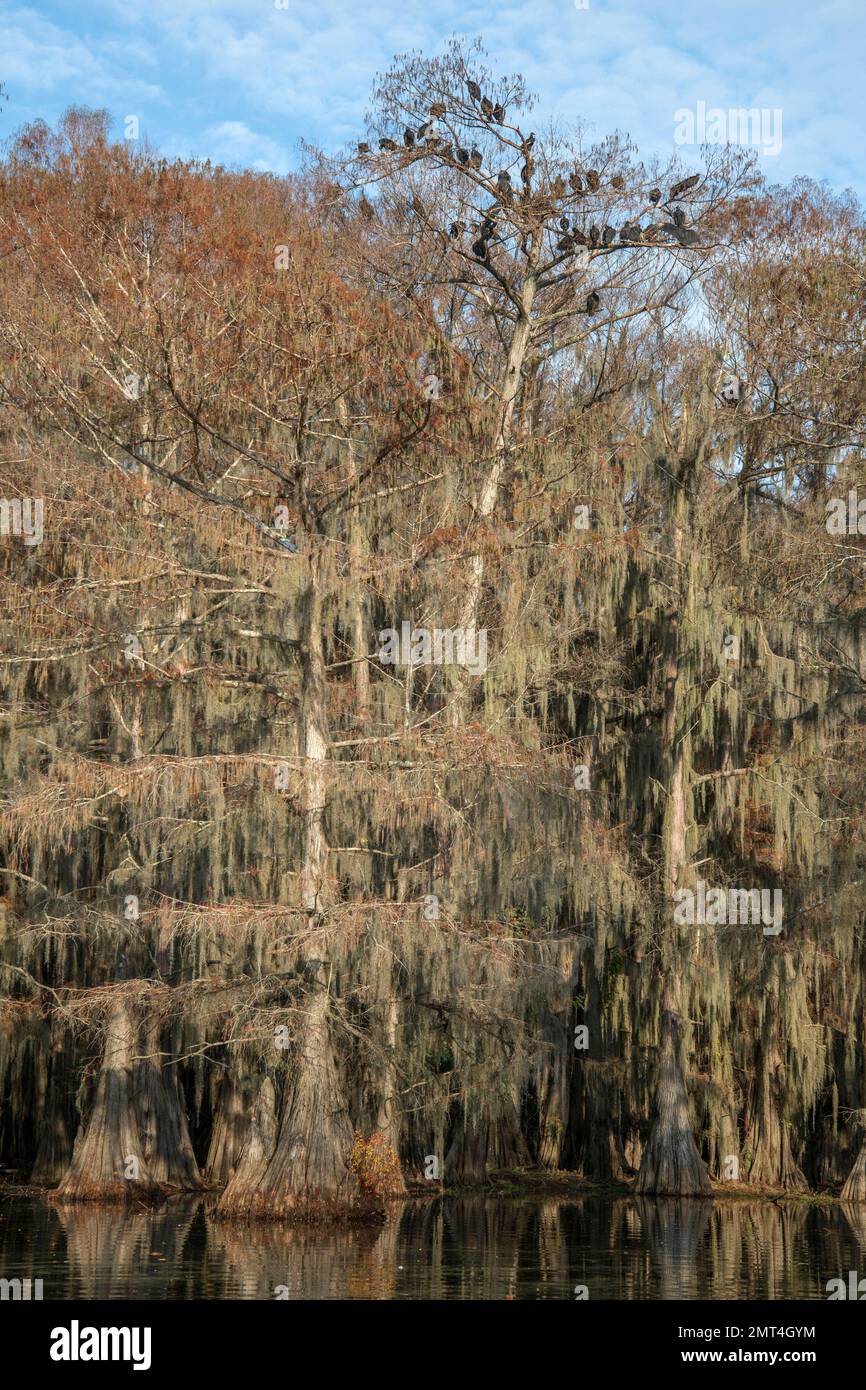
(479, 250)
(437, 110)
(488, 227)
(594, 235)
(462, 155)
(683, 186)
(592, 179)
(386, 144)
(456, 229)
(486, 107)
(474, 89)
(608, 235)
(363, 147)
(503, 184)
(498, 114)
(655, 195)
(593, 302)
(563, 222)
(408, 137)
(529, 141)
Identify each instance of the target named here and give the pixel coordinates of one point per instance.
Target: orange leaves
(375, 1165)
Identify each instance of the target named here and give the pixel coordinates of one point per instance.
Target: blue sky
(240, 81)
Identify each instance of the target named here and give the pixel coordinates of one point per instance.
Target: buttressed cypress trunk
(307, 1176)
(108, 1159)
(166, 1145)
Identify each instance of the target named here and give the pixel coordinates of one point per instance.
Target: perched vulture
(608, 235)
(437, 110)
(679, 217)
(683, 186)
(408, 137)
(486, 107)
(576, 182)
(617, 181)
(475, 158)
(563, 222)
(462, 155)
(593, 302)
(474, 89)
(565, 244)
(456, 229)
(488, 227)
(498, 114)
(503, 184)
(594, 235)
(655, 195)
(479, 250)
(386, 144)
(592, 179)
(363, 147)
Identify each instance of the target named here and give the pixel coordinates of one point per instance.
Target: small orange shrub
(375, 1165)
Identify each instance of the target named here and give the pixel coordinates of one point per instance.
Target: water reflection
(471, 1247)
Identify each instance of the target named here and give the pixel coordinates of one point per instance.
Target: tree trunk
(255, 1154)
(230, 1125)
(388, 1119)
(489, 493)
(108, 1160)
(166, 1145)
(54, 1153)
(307, 1178)
(855, 1184)
(315, 746)
(671, 1164)
(768, 1139)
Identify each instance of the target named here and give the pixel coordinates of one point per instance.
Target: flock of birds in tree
(570, 236)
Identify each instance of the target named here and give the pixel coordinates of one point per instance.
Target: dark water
(449, 1248)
